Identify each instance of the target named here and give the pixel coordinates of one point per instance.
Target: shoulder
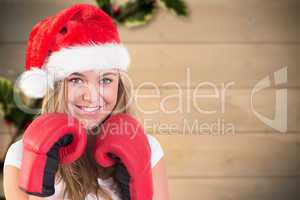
(14, 154)
(157, 151)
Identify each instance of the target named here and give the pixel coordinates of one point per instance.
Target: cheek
(73, 93)
(110, 95)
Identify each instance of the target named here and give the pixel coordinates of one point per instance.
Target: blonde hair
(80, 177)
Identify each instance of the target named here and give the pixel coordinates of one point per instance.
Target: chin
(88, 124)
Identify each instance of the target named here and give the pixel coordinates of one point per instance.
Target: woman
(75, 61)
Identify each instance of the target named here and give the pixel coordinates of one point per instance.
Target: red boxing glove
(122, 136)
(51, 139)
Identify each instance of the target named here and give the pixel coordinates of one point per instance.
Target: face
(92, 95)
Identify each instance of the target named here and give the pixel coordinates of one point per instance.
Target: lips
(88, 110)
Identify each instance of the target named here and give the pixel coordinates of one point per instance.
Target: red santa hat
(79, 38)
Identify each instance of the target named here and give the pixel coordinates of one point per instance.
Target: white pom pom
(34, 82)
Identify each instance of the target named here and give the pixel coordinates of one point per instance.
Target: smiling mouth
(86, 109)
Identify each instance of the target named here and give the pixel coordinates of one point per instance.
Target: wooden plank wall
(224, 42)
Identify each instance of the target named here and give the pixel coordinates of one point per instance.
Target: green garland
(135, 13)
(9, 110)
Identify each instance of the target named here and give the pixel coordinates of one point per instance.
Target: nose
(91, 94)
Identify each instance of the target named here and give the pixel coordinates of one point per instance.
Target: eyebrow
(77, 74)
(104, 74)
(109, 73)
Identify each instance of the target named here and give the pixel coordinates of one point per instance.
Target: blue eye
(75, 80)
(106, 81)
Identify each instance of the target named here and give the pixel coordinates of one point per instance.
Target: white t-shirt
(14, 158)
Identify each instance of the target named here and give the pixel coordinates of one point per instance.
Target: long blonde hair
(80, 177)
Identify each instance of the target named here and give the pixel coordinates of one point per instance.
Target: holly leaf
(178, 6)
(106, 6)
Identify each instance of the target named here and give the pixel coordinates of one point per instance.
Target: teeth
(89, 109)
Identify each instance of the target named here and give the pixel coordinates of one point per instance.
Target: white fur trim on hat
(90, 57)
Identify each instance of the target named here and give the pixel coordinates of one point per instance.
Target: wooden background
(239, 41)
